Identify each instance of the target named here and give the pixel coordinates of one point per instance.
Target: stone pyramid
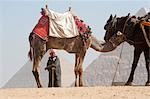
(102, 70)
(24, 77)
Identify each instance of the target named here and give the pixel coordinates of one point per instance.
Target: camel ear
(111, 17)
(128, 15)
(115, 16)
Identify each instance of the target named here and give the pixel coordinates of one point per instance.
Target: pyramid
(103, 69)
(142, 12)
(24, 77)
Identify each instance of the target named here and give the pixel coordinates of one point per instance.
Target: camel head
(116, 29)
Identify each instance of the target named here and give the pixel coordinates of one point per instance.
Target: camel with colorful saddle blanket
(76, 39)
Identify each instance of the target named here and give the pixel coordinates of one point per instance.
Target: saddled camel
(131, 32)
(38, 47)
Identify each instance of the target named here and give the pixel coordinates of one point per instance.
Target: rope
(144, 33)
(117, 66)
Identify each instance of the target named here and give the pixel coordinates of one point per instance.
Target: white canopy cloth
(62, 25)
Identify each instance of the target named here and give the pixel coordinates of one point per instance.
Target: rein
(117, 66)
(120, 56)
(144, 33)
(121, 51)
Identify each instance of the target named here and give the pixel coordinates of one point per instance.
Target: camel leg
(137, 53)
(76, 78)
(147, 60)
(38, 50)
(36, 71)
(80, 77)
(80, 69)
(76, 68)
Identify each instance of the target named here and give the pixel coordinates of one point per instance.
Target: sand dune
(103, 92)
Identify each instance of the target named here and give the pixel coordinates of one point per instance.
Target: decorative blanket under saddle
(62, 26)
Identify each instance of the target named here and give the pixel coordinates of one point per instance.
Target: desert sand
(101, 92)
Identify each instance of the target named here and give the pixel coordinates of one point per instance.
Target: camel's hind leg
(38, 51)
(36, 71)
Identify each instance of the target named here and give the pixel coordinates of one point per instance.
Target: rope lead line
(144, 33)
(117, 66)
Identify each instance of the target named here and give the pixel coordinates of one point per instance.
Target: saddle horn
(46, 6)
(69, 8)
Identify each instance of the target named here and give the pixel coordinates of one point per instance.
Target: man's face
(52, 54)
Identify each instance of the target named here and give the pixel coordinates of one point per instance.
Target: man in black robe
(53, 66)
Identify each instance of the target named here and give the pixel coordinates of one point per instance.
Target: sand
(102, 92)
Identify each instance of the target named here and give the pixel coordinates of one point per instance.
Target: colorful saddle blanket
(60, 25)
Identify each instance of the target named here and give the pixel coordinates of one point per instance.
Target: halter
(123, 30)
(113, 24)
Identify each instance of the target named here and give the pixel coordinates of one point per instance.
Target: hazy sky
(18, 17)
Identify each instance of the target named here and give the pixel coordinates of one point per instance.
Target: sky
(18, 18)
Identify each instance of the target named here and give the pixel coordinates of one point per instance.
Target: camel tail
(30, 53)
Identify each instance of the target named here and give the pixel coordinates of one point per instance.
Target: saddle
(61, 25)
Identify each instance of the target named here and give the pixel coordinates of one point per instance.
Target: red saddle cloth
(42, 27)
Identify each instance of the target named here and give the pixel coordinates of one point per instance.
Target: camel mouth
(117, 39)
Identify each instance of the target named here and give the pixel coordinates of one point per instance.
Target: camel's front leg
(137, 53)
(147, 60)
(81, 76)
(76, 68)
(80, 69)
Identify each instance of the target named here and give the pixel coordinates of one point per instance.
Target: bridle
(123, 30)
(113, 26)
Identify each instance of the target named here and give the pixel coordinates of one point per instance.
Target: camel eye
(119, 33)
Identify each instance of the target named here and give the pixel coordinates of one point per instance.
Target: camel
(130, 31)
(38, 47)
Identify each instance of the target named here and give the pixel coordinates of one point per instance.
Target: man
(53, 66)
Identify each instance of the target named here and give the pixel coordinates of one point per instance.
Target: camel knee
(76, 72)
(80, 71)
(36, 74)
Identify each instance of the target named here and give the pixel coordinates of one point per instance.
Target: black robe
(54, 62)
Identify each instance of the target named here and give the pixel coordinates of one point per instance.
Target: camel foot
(147, 84)
(40, 86)
(128, 84)
(81, 85)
